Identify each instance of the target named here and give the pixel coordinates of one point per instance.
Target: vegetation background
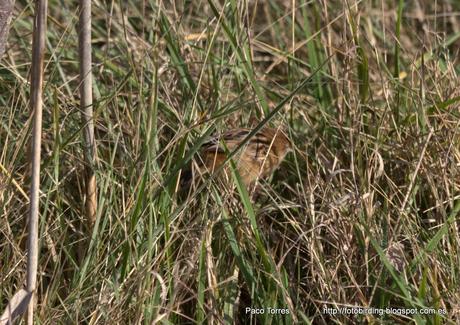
(364, 213)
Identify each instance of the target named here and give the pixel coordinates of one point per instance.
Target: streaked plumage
(258, 158)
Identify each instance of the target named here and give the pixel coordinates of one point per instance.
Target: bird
(258, 158)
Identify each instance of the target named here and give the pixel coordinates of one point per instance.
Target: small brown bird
(258, 158)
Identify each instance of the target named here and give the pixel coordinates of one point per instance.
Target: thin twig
(414, 175)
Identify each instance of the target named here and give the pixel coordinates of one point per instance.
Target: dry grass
(364, 213)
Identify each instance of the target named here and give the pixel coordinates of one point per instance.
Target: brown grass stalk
(86, 106)
(36, 86)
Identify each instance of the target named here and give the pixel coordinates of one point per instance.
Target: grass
(363, 214)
